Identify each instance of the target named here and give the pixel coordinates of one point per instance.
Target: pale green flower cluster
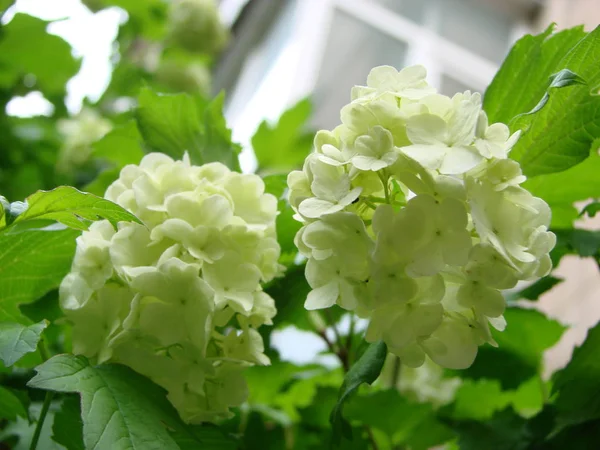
(79, 133)
(414, 218)
(195, 26)
(179, 299)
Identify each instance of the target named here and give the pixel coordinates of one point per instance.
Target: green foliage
(175, 124)
(67, 428)
(535, 290)
(120, 408)
(505, 430)
(365, 370)
(287, 226)
(401, 421)
(591, 209)
(121, 146)
(69, 206)
(284, 145)
(26, 48)
(518, 356)
(559, 135)
(16, 340)
(10, 405)
(585, 243)
(578, 384)
(32, 262)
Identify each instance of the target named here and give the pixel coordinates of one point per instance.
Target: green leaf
(518, 356)
(478, 399)
(32, 263)
(26, 48)
(175, 124)
(578, 384)
(10, 405)
(535, 290)
(121, 146)
(365, 370)
(585, 243)
(289, 293)
(523, 78)
(287, 226)
(561, 134)
(16, 340)
(584, 436)
(591, 209)
(119, 407)
(562, 189)
(564, 78)
(504, 431)
(67, 429)
(206, 436)
(70, 206)
(400, 419)
(284, 145)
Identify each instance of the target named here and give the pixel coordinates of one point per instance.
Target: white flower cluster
(179, 298)
(79, 133)
(414, 218)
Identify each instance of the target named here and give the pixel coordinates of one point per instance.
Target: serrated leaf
(120, 408)
(10, 405)
(179, 123)
(524, 76)
(560, 135)
(578, 384)
(67, 429)
(16, 340)
(284, 145)
(32, 262)
(70, 206)
(535, 290)
(365, 370)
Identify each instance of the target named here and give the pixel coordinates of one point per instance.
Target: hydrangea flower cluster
(179, 299)
(195, 26)
(79, 133)
(413, 217)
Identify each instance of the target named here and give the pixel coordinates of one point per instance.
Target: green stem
(40, 423)
(396, 372)
(44, 354)
(386, 189)
(374, 445)
(543, 390)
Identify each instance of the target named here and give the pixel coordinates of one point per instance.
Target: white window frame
(309, 37)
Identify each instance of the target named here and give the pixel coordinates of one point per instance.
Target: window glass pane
(477, 26)
(411, 9)
(353, 48)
